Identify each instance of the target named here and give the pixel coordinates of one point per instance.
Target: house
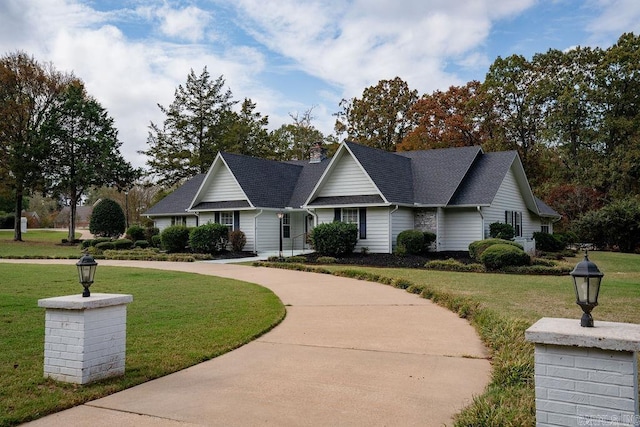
(454, 192)
(83, 216)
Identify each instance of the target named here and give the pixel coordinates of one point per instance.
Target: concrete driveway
(349, 353)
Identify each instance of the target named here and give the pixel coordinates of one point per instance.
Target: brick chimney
(317, 153)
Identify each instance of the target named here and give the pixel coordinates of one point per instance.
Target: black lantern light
(86, 272)
(586, 280)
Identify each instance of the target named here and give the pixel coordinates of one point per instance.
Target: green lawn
(175, 320)
(37, 244)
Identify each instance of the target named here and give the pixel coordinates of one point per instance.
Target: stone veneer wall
(425, 220)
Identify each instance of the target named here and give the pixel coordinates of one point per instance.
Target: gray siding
(461, 227)
(223, 187)
(509, 198)
(402, 219)
(347, 179)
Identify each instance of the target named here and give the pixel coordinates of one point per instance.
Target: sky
(290, 56)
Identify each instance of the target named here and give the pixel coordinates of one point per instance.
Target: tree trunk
(72, 218)
(17, 229)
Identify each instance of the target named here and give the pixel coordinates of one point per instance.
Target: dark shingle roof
(231, 204)
(483, 180)
(437, 174)
(546, 210)
(309, 176)
(347, 200)
(389, 172)
(179, 200)
(267, 183)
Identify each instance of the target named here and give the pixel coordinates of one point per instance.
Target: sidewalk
(348, 353)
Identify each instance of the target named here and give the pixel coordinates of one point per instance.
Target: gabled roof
(483, 180)
(546, 210)
(437, 174)
(179, 200)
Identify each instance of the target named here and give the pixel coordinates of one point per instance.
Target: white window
(286, 226)
(179, 220)
(544, 227)
(350, 215)
(226, 218)
(514, 218)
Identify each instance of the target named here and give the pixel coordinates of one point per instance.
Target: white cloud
(615, 18)
(188, 23)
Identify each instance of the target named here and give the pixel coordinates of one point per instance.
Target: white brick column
(585, 376)
(85, 338)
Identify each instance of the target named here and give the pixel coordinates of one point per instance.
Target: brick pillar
(585, 376)
(85, 338)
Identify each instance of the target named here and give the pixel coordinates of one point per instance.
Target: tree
(188, 140)
(294, 140)
(447, 119)
(107, 219)
(84, 149)
(28, 91)
(380, 118)
(247, 133)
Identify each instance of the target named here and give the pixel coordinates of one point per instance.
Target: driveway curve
(349, 352)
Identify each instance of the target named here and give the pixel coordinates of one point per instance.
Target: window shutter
(363, 223)
(337, 214)
(236, 220)
(216, 217)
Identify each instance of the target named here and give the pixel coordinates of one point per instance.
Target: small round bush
(412, 241)
(237, 240)
(156, 242)
(107, 219)
(498, 256)
(135, 233)
(142, 244)
(87, 243)
(103, 246)
(429, 239)
(479, 246)
(335, 238)
(175, 238)
(122, 244)
(149, 232)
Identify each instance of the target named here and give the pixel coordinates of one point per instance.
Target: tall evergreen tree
(192, 133)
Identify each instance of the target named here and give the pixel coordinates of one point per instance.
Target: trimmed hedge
(479, 246)
(454, 265)
(142, 244)
(501, 230)
(107, 219)
(498, 256)
(548, 242)
(335, 238)
(175, 238)
(209, 238)
(414, 242)
(135, 233)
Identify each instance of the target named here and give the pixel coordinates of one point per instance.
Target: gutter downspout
(255, 231)
(481, 222)
(391, 228)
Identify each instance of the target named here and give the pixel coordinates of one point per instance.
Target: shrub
(429, 239)
(122, 244)
(149, 232)
(237, 239)
(135, 233)
(326, 260)
(615, 225)
(454, 265)
(548, 242)
(498, 256)
(156, 241)
(103, 246)
(479, 246)
(336, 238)
(296, 259)
(107, 219)
(142, 244)
(175, 238)
(87, 243)
(412, 241)
(209, 238)
(501, 230)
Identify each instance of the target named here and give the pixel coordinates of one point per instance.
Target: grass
(501, 307)
(176, 320)
(37, 244)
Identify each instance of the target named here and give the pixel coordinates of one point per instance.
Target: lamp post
(86, 272)
(586, 281)
(280, 216)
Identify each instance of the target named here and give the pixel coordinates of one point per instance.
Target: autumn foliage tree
(381, 117)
